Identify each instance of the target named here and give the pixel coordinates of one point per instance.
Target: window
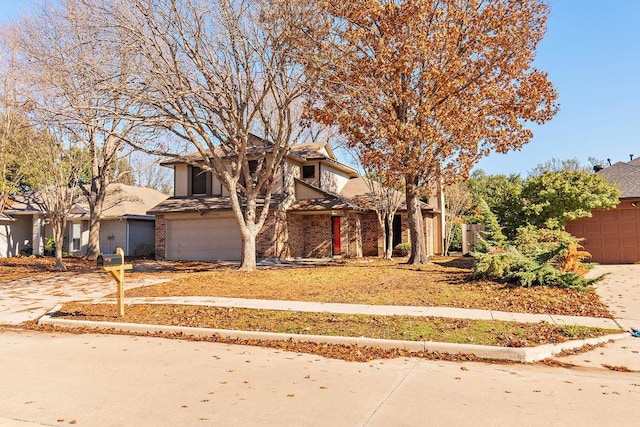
(198, 181)
(308, 172)
(76, 234)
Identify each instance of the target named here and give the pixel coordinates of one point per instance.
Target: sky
(592, 54)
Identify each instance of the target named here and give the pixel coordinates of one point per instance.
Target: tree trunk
(280, 242)
(93, 247)
(248, 261)
(389, 245)
(58, 237)
(416, 225)
(96, 201)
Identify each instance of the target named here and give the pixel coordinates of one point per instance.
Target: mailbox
(110, 260)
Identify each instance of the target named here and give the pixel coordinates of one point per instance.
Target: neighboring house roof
(626, 176)
(126, 201)
(120, 201)
(27, 203)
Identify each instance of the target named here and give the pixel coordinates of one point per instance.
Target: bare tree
(74, 67)
(15, 135)
(148, 172)
(56, 182)
(214, 74)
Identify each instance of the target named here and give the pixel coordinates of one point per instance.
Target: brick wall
(317, 236)
(371, 235)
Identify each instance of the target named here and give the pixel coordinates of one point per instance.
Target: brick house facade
(317, 223)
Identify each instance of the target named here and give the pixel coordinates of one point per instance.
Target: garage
(203, 239)
(612, 237)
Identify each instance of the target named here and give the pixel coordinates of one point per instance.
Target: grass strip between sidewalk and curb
(405, 328)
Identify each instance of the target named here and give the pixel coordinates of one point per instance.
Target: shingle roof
(626, 176)
(324, 204)
(126, 200)
(199, 204)
(309, 150)
(121, 200)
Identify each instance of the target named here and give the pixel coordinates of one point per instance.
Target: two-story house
(321, 219)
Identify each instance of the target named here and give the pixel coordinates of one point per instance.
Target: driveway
(620, 290)
(29, 298)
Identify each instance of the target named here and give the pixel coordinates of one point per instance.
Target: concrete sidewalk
(24, 300)
(376, 310)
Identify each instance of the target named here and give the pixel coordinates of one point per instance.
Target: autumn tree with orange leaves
(428, 87)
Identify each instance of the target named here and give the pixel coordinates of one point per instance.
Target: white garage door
(203, 239)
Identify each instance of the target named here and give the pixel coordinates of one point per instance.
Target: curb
(521, 354)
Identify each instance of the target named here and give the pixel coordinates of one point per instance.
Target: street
(110, 380)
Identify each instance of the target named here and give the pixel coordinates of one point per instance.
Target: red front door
(335, 235)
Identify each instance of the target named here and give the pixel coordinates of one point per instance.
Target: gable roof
(626, 176)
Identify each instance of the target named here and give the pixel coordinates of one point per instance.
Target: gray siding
(141, 237)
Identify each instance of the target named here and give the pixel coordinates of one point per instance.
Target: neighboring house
(124, 223)
(315, 212)
(613, 236)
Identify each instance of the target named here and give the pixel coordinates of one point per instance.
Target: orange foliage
(425, 88)
(572, 261)
(425, 85)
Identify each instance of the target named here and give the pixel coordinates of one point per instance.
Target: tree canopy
(553, 198)
(429, 87)
(547, 200)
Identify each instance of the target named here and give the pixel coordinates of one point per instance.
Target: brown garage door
(612, 237)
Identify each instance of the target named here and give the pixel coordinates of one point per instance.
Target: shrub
(402, 249)
(536, 257)
(492, 236)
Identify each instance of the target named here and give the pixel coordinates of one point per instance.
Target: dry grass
(446, 283)
(20, 267)
(495, 333)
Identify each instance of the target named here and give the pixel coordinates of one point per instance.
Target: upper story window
(308, 171)
(198, 181)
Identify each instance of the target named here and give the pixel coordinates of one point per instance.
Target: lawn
(410, 328)
(446, 282)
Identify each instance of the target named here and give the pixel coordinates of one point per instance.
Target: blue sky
(592, 54)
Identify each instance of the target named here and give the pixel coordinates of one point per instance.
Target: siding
(15, 235)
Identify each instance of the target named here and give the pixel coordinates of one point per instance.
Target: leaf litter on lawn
(446, 282)
(410, 328)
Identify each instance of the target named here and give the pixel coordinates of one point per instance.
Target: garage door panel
(612, 237)
(631, 228)
(628, 214)
(209, 239)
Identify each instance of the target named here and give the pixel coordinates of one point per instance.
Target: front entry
(335, 236)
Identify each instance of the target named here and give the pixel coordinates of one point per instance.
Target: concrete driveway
(620, 290)
(31, 297)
